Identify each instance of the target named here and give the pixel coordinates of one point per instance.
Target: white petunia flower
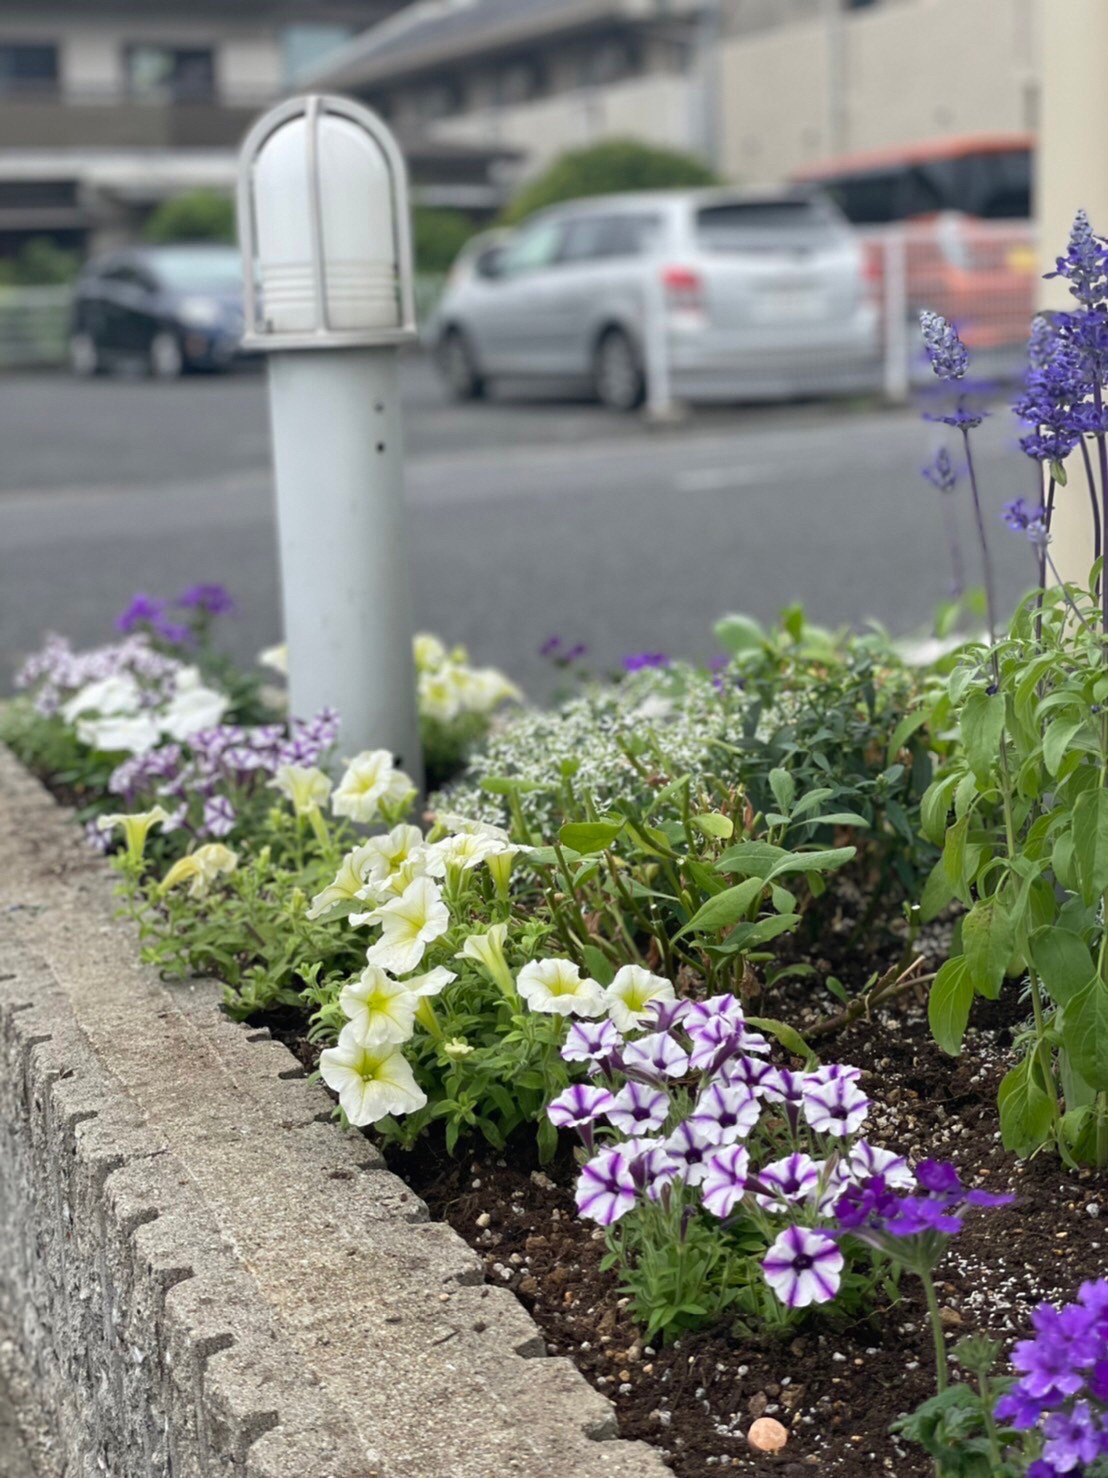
(391, 851)
(408, 925)
(629, 994)
(136, 826)
(200, 869)
(378, 1008)
(348, 884)
(460, 853)
(276, 658)
(305, 786)
(557, 986)
(370, 782)
(393, 886)
(441, 694)
(120, 734)
(119, 694)
(371, 1082)
(192, 708)
(429, 652)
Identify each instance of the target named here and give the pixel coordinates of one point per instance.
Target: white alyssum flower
(557, 986)
(370, 782)
(306, 786)
(628, 996)
(408, 925)
(371, 1082)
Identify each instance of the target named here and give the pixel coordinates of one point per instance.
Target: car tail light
(684, 288)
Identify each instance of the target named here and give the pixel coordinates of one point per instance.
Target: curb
(203, 1273)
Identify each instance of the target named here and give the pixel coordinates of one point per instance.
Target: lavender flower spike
(948, 355)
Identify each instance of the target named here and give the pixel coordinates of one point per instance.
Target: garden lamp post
(326, 242)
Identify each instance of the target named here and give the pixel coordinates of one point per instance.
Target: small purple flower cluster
(56, 671)
(150, 614)
(638, 661)
(206, 784)
(1063, 1384)
(554, 648)
(681, 1102)
(873, 1211)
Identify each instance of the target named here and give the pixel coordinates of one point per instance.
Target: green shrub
(437, 237)
(198, 215)
(40, 263)
(607, 169)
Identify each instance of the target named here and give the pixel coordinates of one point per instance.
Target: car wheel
(458, 368)
(84, 356)
(617, 373)
(166, 359)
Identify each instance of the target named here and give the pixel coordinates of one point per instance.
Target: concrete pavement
(526, 518)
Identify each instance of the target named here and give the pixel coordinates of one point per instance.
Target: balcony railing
(46, 119)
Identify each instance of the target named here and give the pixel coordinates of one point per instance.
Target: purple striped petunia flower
(838, 1107)
(788, 1181)
(591, 1041)
(605, 1188)
(689, 1147)
(725, 1177)
(668, 1014)
(803, 1267)
(654, 1058)
(638, 1108)
(726, 1112)
(578, 1104)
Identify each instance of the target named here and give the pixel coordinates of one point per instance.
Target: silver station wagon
(748, 295)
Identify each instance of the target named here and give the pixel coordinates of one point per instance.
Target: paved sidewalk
(15, 1454)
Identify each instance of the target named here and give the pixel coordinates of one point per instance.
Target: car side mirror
(490, 264)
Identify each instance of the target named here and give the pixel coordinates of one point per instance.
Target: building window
(26, 67)
(174, 73)
(304, 46)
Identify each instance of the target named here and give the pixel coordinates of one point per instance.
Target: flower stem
(986, 557)
(942, 1376)
(1093, 500)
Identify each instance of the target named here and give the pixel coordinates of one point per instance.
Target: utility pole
(709, 38)
(1071, 172)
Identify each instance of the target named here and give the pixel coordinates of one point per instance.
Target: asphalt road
(526, 518)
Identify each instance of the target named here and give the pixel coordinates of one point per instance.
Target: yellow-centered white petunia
(305, 786)
(630, 992)
(136, 827)
(348, 884)
(408, 925)
(371, 782)
(200, 869)
(371, 1082)
(378, 1008)
(558, 987)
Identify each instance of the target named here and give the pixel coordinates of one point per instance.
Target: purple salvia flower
(725, 1176)
(803, 1267)
(638, 1108)
(947, 354)
(940, 472)
(605, 1189)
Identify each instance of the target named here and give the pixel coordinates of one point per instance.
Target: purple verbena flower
(803, 1267)
(640, 660)
(143, 610)
(211, 599)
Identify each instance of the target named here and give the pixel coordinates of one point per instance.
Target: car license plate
(791, 304)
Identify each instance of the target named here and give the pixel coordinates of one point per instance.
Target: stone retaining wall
(207, 1277)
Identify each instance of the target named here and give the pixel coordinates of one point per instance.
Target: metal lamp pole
(324, 228)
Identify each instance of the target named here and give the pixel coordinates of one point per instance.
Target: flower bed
(752, 1022)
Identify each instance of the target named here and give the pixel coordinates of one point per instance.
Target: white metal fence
(33, 326)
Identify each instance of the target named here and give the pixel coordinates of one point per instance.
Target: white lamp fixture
(326, 243)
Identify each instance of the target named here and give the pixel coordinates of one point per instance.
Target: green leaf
(935, 806)
(715, 824)
(1057, 740)
(987, 943)
(784, 789)
(598, 965)
(1090, 841)
(787, 1035)
(982, 726)
(590, 836)
(937, 893)
(724, 909)
(738, 633)
(747, 936)
(501, 785)
(904, 731)
(948, 1005)
(1026, 1109)
(1063, 961)
(825, 861)
(954, 852)
(1085, 1033)
(837, 818)
(751, 859)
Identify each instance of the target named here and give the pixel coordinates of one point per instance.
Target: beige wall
(658, 110)
(920, 69)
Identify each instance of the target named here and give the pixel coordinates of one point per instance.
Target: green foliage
(437, 237)
(957, 1428)
(1026, 852)
(197, 215)
(612, 167)
(40, 263)
(49, 748)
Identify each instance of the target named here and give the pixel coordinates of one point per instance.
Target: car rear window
(740, 225)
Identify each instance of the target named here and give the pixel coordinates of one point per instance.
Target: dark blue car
(169, 308)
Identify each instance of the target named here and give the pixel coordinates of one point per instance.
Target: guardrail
(33, 326)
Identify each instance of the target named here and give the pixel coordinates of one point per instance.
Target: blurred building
(763, 88)
(108, 107)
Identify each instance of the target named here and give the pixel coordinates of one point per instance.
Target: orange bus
(964, 207)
